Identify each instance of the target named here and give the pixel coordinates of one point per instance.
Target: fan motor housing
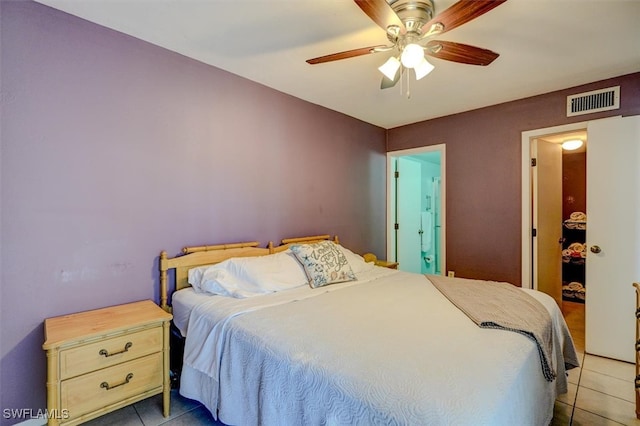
(413, 13)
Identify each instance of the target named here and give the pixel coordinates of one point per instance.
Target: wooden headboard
(192, 257)
(288, 242)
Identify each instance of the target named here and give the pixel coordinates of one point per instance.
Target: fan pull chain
(405, 80)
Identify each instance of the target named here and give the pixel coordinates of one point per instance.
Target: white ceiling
(544, 45)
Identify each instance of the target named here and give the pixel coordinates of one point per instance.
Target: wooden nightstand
(387, 264)
(370, 257)
(102, 360)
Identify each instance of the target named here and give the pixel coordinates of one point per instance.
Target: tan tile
(574, 375)
(610, 385)
(570, 396)
(150, 409)
(197, 416)
(126, 416)
(561, 414)
(610, 367)
(607, 406)
(585, 418)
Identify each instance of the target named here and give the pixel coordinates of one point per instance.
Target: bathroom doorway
(416, 209)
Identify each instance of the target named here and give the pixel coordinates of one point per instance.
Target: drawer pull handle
(126, 380)
(637, 381)
(107, 354)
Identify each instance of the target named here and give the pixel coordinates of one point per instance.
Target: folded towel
(578, 217)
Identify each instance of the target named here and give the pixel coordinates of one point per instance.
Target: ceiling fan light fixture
(390, 68)
(423, 68)
(412, 55)
(572, 144)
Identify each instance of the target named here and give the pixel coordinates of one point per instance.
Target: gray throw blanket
(500, 305)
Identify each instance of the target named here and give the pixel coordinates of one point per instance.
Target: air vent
(594, 101)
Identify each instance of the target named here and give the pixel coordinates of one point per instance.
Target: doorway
(612, 238)
(559, 222)
(557, 194)
(416, 209)
(529, 276)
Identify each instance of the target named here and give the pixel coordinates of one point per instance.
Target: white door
(408, 201)
(547, 218)
(613, 236)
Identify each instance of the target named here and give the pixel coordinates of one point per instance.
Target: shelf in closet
(574, 225)
(573, 267)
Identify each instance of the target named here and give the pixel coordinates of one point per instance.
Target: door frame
(391, 235)
(527, 194)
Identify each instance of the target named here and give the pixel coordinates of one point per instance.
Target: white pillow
(221, 281)
(218, 279)
(274, 272)
(195, 276)
(357, 263)
(241, 277)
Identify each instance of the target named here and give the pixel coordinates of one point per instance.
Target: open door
(547, 218)
(409, 190)
(613, 236)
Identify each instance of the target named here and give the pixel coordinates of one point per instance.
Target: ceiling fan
(410, 27)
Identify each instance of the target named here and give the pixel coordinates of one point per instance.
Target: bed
(378, 346)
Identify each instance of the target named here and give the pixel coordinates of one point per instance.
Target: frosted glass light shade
(570, 145)
(412, 55)
(390, 68)
(423, 68)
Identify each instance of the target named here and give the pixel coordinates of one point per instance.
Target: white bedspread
(387, 349)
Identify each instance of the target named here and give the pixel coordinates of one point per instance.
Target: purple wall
(484, 172)
(574, 183)
(114, 149)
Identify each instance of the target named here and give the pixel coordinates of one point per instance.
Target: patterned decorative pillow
(324, 263)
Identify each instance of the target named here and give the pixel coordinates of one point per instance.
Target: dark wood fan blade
(381, 13)
(458, 52)
(344, 55)
(462, 12)
(387, 82)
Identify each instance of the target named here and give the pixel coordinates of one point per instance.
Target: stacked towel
(574, 290)
(575, 253)
(578, 217)
(577, 220)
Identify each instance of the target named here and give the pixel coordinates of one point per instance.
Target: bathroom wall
(430, 204)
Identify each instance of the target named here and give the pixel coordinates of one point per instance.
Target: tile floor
(184, 412)
(601, 392)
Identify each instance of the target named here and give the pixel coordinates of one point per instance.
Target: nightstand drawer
(108, 352)
(87, 393)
